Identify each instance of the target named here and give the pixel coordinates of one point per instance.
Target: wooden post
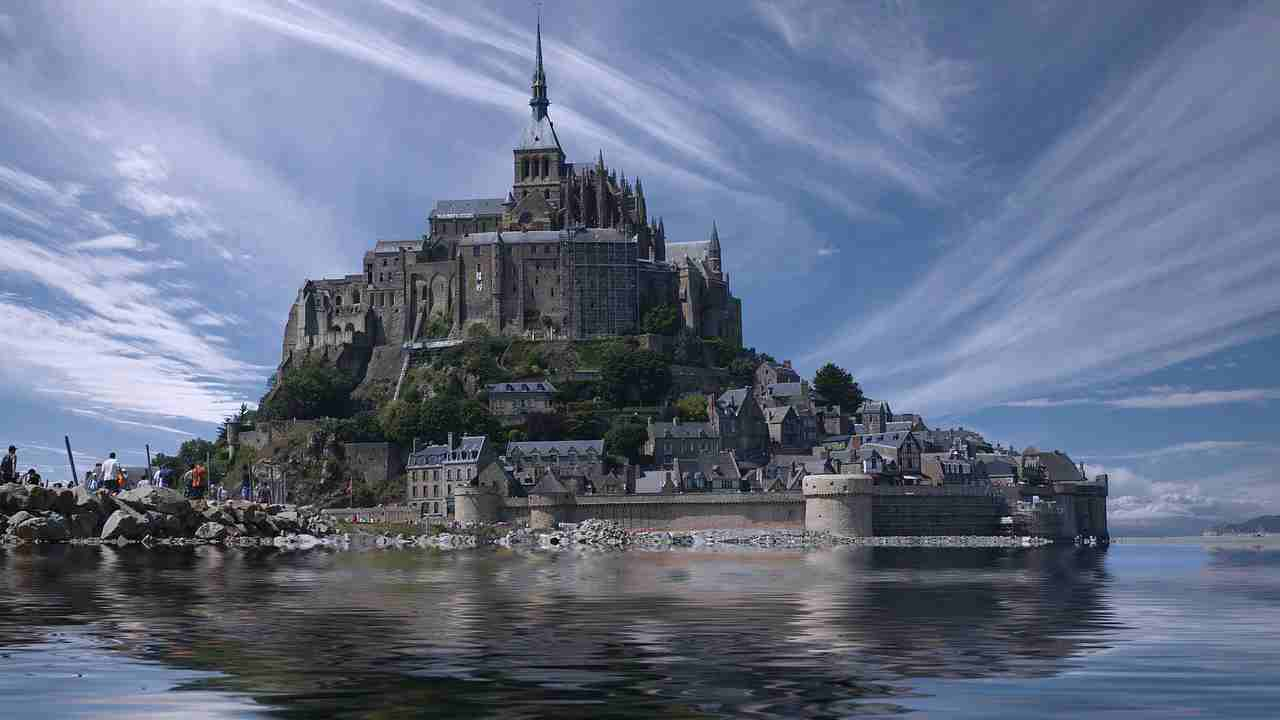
(148, 447)
(70, 459)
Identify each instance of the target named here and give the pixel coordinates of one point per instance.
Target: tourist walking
(107, 478)
(32, 477)
(9, 466)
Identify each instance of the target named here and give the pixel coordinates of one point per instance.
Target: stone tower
(539, 162)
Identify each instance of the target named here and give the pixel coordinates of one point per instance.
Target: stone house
(787, 430)
(528, 460)
(737, 419)
(1050, 467)
(434, 471)
(713, 472)
(832, 421)
(874, 416)
(516, 399)
(770, 373)
(688, 440)
(949, 468)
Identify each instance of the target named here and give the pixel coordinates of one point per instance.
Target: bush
(634, 375)
(311, 390)
(661, 320)
(626, 439)
(692, 408)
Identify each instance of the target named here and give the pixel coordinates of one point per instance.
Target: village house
(434, 471)
(736, 418)
(514, 400)
(687, 440)
(712, 472)
(528, 460)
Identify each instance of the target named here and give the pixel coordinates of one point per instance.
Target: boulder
(18, 518)
(161, 500)
(51, 528)
(212, 532)
(85, 525)
(64, 501)
(287, 521)
(14, 497)
(99, 501)
(124, 524)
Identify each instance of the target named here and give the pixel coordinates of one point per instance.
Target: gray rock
(18, 518)
(15, 497)
(161, 500)
(100, 502)
(212, 532)
(85, 525)
(51, 528)
(124, 524)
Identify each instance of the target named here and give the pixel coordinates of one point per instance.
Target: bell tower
(539, 165)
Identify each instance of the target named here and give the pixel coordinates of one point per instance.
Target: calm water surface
(1136, 631)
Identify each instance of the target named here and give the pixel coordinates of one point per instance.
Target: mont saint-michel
(587, 361)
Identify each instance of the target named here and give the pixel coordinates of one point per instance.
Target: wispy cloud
(1166, 400)
(1143, 237)
(115, 241)
(1188, 448)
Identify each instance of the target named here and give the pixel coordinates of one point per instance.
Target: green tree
(723, 352)
(661, 320)
(835, 386)
(626, 439)
(688, 349)
(692, 408)
(634, 375)
(311, 390)
(399, 422)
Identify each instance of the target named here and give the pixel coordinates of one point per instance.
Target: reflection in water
(686, 634)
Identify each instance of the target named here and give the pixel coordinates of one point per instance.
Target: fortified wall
(841, 504)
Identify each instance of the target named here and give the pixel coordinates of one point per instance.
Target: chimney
(450, 441)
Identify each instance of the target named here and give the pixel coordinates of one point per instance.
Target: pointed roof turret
(539, 101)
(715, 239)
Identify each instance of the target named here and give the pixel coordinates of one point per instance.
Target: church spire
(715, 240)
(539, 101)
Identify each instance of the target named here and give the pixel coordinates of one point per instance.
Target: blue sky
(1055, 223)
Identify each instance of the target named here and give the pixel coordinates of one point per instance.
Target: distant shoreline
(1222, 540)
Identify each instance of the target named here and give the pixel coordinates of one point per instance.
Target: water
(1134, 631)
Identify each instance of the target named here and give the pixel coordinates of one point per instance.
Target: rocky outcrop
(35, 514)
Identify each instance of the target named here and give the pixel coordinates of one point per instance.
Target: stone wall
(936, 511)
(374, 462)
(674, 512)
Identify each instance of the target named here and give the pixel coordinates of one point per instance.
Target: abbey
(571, 252)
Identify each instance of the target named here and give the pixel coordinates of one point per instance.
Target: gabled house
(736, 418)
(519, 398)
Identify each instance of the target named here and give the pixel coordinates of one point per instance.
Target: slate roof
(469, 208)
(870, 405)
(778, 414)
(560, 447)
(548, 484)
(736, 399)
(543, 236)
(651, 482)
(539, 134)
(786, 389)
(468, 450)
(392, 247)
(677, 253)
(522, 386)
(681, 430)
(898, 426)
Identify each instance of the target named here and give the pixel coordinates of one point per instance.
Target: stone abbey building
(571, 252)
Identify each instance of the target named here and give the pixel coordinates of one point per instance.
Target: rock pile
(37, 514)
(601, 533)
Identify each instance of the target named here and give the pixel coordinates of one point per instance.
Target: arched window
(546, 194)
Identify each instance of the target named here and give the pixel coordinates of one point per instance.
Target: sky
(1051, 222)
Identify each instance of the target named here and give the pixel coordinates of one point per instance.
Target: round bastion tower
(838, 504)
(479, 503)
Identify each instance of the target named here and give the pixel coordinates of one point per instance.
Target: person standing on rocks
(108, 477)
(9, 466)
(199, 478)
